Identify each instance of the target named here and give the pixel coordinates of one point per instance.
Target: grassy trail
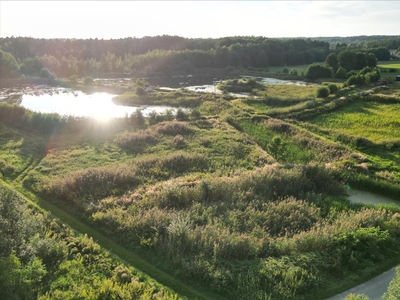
(127, 256)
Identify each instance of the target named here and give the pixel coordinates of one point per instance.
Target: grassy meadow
(243, 199)
(375, 121)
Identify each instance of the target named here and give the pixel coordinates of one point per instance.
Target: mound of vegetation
(241, 86)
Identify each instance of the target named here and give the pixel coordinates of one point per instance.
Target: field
(244, 199)
(375, 121)
(391, 67)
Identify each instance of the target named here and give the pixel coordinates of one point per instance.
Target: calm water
(369, 198)
(76, 103)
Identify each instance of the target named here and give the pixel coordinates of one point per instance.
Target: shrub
(173, 128)
(365, 71)
(322, 92)
(332, 88)
(356, 80)
(45, 73)
(179, 142)
(135, 141)
(88, 80)
(372, 77)
(315, 71)
(181, 115)
(341, 73)
(73, 78)
(137, 118)
(195, 114)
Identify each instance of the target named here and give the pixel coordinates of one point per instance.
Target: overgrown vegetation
(244, 197)
(42, 259)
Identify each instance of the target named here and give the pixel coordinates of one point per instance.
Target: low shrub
(332, 88)
(136, 141)
(173, 128)
(322, 92)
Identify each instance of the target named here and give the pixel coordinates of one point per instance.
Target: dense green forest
(165, 54)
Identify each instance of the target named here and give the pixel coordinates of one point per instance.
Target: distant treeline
(150, 55)
(391, 42)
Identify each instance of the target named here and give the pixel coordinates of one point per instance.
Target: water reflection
(76, 103)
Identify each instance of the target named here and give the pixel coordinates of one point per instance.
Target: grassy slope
(72, 156)
(108, 244)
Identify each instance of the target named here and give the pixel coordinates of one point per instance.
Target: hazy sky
(106, 19)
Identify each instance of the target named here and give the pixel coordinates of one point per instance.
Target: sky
(197, 19)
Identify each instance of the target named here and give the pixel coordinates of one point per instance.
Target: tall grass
(257, 221)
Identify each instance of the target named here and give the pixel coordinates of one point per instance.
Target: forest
(218, 197)
(151, 56)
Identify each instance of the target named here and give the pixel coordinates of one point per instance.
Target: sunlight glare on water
(77, 103)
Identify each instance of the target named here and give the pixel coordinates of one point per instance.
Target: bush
(341, 73)
(173, 128)
(356, 80)
(73, 78)
(136, 141)
(322, 92)
(332, 88)
(137, 118)
(45, 73)
(181, 115)
(315, 71)
(195, 114)
(372, 77)
(88, 80)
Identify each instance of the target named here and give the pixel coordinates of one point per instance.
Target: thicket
(41, 259)
(363, 77)
(247, 235)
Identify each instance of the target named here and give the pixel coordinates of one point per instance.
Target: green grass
(18, 150)
(289, 91)
(375, 121)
